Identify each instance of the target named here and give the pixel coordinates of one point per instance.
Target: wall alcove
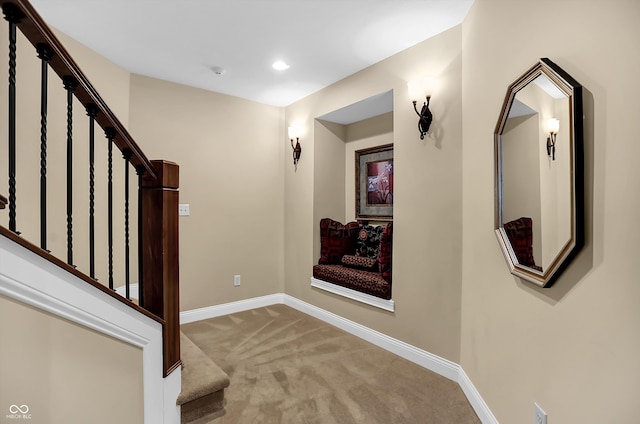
(337, 136)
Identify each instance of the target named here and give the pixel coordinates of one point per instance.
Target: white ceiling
(181, 41)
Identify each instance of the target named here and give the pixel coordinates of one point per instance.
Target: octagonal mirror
(539, 174)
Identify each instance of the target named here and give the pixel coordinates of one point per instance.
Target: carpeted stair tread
(200, 375)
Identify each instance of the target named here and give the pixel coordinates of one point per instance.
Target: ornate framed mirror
(539, 174)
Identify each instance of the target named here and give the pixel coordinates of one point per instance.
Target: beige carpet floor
(288, 367)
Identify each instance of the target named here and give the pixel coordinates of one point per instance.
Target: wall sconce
(553, 125)
(425, 117)
(418, 90)
(294, 132)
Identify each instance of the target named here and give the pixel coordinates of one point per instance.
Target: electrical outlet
(183, 209)
(236, 280)
(539, 416)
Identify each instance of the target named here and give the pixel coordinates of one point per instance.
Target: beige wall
(521, 170)
(329, 180)
(232, 164)
(427, 210)
(65, 373)
(110, 80)
(572, 348)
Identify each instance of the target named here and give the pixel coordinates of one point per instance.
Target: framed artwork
(374, 183)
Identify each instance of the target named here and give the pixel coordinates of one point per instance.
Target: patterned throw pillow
(360, 262)
(336, 240)
(384, 257)
(368, 241)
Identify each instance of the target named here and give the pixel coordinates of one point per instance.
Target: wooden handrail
(37, 32)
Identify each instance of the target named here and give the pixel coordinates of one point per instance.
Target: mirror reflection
(536, 189)
(536, 202)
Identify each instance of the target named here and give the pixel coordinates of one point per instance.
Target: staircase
(148, 320)
(203, 384)
(88, 225)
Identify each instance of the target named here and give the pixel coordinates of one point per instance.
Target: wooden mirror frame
(573, 90)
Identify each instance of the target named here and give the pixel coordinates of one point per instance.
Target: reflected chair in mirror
(520, 233)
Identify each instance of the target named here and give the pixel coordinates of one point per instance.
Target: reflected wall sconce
(417, 91)
(553, 125)
(294, 132)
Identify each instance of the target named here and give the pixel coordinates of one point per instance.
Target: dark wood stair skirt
(203, 384)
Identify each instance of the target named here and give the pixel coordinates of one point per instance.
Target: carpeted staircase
(203, 384)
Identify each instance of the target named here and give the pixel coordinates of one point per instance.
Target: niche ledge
(387, 305)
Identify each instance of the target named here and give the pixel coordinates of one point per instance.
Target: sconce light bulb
(294, 132)
(553, 125)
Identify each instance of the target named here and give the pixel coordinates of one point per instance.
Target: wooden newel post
(159, 255)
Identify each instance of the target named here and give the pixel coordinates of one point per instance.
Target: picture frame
(374, 183)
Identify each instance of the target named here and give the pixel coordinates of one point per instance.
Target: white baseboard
(230, 308)
(385, 304)
(418, 356)
(473, 396)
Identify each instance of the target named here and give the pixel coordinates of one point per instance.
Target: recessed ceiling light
(279, 65)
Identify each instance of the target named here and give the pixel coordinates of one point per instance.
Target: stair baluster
(44, 55)
(140, 171)
(70, 85)
(13, 16)
(126, 154)
(111, 135)
(92, 112)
